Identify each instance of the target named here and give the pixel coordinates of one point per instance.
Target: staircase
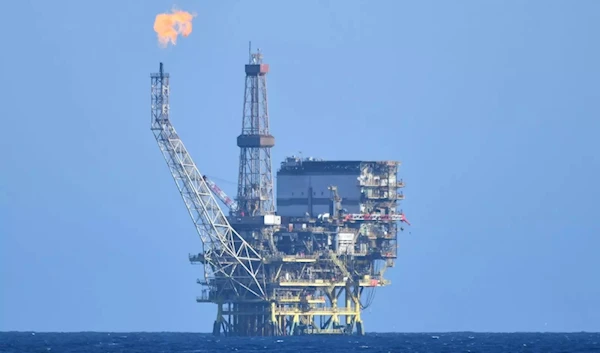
(340, 265)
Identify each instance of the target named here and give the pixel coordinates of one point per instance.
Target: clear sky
(492, 106)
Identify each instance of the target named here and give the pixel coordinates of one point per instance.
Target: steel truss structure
(255, 180)
(273, 275)
(230, 263)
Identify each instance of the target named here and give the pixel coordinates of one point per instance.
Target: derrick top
(255, 67)
(161, 72)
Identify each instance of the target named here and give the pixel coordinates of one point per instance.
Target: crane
(232, 266)
(231, 204)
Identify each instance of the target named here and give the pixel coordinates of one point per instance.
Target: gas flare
(168, 25)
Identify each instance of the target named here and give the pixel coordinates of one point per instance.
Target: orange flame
(168, 25)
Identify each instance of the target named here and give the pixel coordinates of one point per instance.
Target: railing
(340, 264)
(384, 196)
(205, 296)
(292, 298)
(291, 258)
(360, 253)
(382, 183)
(316, 310)
(196, 258)
(307, 281)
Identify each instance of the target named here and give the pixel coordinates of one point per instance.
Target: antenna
(250, 52)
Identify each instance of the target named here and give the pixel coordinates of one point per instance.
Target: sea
(105, 342)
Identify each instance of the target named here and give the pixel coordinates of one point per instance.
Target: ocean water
(92, 342)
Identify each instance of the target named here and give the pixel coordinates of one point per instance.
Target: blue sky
(492, 106)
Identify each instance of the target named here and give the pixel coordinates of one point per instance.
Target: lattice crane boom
(227, 256)
(218, 192)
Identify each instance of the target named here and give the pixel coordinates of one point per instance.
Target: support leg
(359, 329)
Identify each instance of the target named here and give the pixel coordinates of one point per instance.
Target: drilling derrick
(255, 180)
(254, 217)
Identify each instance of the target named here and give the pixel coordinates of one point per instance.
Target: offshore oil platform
(309, 266)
